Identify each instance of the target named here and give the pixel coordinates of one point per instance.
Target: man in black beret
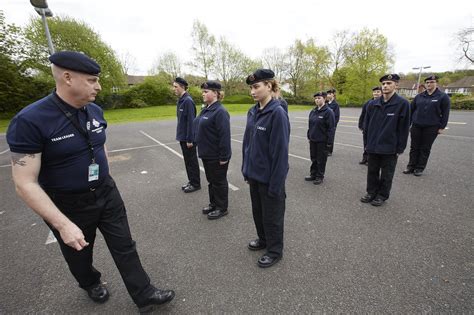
(60, 169)
(430, 113)
(186, 112)
(376, 93)
(386, 127)
(332, 104)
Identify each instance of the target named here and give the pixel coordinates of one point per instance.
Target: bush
(239, 99)
(196, 95)
(467, 104)
(151, 91)
(137, 103)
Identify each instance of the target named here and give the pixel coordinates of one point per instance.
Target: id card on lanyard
(93, 169)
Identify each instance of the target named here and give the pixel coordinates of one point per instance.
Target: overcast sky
(419, 32)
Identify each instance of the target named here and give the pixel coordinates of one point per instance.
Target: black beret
(377, 88)
(323, 94)
(181, 81)
(76, 61)
(332, 91)
(432, 77)
(211, 85)
(260, 75)
(390, 77)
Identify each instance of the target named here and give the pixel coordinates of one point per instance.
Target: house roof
(466, 82)
(135, 79)
(407, 84)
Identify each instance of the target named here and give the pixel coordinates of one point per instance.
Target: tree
(340, 42)
(297, 67)
(273, 58)
(319, 60)
(168, 63)
(128, 62)
(367, 57)
(466, 38)
(203, 49)
(231, 65)
(70, 34)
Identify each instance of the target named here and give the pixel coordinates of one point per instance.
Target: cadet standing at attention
(186, 112)
(321, 127)
(265, 165)
(331, 100)
(376, 93)
(212, 136)
(386, 133)
(60, 169)
(430, 113)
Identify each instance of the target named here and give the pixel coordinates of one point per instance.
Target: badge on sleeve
(93, 172)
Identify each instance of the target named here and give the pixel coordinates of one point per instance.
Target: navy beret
(211, 85)
(260, 75)
(390, 77)
(181, 81)
(432, 77)
(332, 91)
(322, 93)
(75, 61)
(377, 88)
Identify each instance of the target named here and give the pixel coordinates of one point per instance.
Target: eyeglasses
(430, 82)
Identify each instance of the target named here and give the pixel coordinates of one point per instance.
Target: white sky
(419, 32)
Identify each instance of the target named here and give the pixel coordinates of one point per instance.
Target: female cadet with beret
(212, 135)
(265, 165)
(321, 127)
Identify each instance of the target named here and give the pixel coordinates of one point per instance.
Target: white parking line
(6, 165)
(50, 239)
(343, 144)
(234, 188)
(4, 151)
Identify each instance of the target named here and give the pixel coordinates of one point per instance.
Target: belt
(78, 192)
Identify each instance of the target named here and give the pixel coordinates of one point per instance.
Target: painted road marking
(50, 239)
(4, 151)
(234, 188)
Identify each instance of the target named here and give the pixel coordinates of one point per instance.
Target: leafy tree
(298, 64)
(70, 34)
(273, 58)
(203, 49)
(168, 63)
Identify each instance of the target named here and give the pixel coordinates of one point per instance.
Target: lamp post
(41, 6)
(419, 75)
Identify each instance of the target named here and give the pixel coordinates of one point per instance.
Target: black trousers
(365, 154)
(191, 163)
(380, 173)
(332, 147)
(268, 216)
(216, 175)
(318, 152)
(105, 210)
(422, 139)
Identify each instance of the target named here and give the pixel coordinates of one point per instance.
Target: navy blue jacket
(362, 114)
(186, 112)
(284, 104)
(265, 146)
(65, 157)
(386, 125)
(335, 108)
(431, 110)
(212, 133)
(321, 125)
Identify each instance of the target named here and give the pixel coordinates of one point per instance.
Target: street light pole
(41, 7)
(419, 75)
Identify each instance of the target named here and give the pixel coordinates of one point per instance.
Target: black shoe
(266, 261)
(98, 293)
(318, 181)
(309, 178)
(418, 172)
(367, 198)
(157, 298)
(377, 202)
(185, 185)
(408, 171)
(206, 210)
(216, 214)
(256, 245)
(191, 188)
(363, 162)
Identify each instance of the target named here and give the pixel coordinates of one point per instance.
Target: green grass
(117, 116)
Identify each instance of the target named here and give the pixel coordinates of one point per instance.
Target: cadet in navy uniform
(60, 169)
(331, 100)
(386, 127)
(321, 127)
(186, 113)
(212, 136)
(430, 112)
(277, 95)
(265, 165)
(376, 93)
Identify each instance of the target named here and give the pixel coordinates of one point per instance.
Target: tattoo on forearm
(17, 158)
